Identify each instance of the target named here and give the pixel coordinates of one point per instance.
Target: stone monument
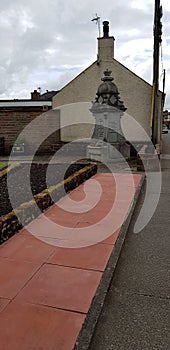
(108, 140)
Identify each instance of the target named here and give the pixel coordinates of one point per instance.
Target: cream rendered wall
(76, 121)
(81, 89)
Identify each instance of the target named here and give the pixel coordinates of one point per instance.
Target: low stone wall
(148, 159)
(26, 212)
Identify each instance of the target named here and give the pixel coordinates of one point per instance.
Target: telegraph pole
(164, 77)
(157, 42)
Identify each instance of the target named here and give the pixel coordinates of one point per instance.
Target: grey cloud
(38, 36)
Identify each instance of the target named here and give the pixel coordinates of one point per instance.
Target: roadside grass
(2, 165)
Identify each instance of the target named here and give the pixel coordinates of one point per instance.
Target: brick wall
(14, 120)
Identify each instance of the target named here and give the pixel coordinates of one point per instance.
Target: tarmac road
(136, 313)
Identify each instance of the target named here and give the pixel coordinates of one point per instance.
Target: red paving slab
(111, 239)
(83, 258)
(127, 180)
(52, 287)
(3, 303)
(35, 327)
(23, 247)
(63, 217)
(14, 275)
(62, 287)
(98, 214)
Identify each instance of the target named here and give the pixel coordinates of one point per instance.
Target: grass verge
(2, 165)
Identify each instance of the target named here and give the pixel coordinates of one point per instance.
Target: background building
(16, 114)
(166, 118)
(134, 91)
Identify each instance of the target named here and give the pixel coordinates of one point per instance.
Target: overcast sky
(45, 43)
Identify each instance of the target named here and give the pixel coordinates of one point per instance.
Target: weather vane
(97, 20)
(39, 89)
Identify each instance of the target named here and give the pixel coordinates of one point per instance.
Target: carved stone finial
(107, 92)
(107, 76)
(107, 73)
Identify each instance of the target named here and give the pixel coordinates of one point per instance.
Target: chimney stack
(105, 45)
(35, 95)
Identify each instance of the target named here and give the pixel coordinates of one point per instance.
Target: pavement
(52, 279)
(136, 312)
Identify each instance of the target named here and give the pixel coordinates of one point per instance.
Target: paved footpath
(48, 280)
(136, 313)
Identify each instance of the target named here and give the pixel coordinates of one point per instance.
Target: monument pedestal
(97, 152)
(108, 153)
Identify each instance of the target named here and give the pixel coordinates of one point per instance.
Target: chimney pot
(105, 29)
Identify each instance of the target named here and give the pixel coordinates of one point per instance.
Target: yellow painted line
(10, 167)
(152, 106)
(55, 187)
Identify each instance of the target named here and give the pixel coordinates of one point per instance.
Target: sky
(46, 43)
